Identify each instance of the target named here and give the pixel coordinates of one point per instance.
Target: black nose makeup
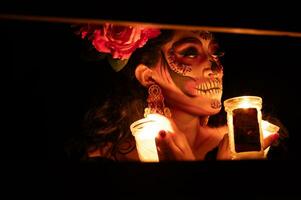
(216, 65)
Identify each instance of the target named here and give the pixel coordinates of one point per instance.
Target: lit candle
(245, 130)
(267, 130)
(145, 131)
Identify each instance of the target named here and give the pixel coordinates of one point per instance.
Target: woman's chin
(207, 111)
(201, 105)
(208, 106)
(202, 109)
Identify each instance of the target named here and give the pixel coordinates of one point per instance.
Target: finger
(180, 141)
(270, 139)
(159, 145)
(224, 149)
(226, 141)
(224, 144)
(172, 149)
(160, 153)
(165, 146)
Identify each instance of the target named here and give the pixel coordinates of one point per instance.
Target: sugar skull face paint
(191, 62)
(188, 53)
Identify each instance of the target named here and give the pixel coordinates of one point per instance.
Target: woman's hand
(224, 152)
(173, 146)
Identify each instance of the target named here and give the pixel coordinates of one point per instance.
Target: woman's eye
(190, 53)
(216, 51)
(216, 57)
(218, 54)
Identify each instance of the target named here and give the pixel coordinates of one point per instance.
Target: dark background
(49, 87)
(54, 82)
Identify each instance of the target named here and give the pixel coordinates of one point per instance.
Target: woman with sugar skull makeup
(174, 73)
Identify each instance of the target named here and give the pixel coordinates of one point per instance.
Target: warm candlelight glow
(150, 126)
(268, 128)
(145, 131)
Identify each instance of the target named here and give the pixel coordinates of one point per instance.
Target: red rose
(121, 41)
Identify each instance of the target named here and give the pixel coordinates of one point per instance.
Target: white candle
(145, 131)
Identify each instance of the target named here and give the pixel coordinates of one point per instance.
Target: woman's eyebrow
(213, 42)
(186, 40)
(206, 35)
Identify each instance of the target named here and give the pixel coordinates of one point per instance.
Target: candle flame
(245, 104)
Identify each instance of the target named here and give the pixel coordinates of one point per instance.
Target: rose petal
(119, 41)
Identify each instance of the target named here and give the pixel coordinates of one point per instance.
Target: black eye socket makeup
(175, 65)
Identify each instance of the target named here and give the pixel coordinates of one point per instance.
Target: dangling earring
(155, 101)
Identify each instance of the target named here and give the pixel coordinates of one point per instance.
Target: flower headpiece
(118, 42)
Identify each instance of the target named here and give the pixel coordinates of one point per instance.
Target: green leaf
(117, 64)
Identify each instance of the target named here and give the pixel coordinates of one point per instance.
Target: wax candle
(145, 131)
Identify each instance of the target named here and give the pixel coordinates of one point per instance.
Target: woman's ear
(144, 75)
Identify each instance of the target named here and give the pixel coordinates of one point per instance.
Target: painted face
(190, 73)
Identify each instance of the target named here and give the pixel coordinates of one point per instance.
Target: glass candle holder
(245, 131)
(145, 131)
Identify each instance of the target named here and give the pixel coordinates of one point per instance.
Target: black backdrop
(50, 87)
(53, 85)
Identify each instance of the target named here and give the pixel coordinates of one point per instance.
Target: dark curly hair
(108, 121)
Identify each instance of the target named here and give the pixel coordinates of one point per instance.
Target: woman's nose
(212, 74)
(215, 63)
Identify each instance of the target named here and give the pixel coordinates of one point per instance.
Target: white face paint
(190, 73)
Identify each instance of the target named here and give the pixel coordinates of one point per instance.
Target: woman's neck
(189, 125)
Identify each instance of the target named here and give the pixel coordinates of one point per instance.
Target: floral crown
(116, 42)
